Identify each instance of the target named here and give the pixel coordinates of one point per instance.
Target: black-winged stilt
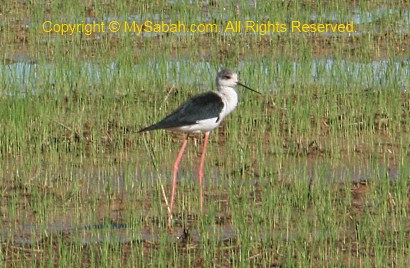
(201, 113)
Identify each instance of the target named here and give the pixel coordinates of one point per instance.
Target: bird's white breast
(230, 99)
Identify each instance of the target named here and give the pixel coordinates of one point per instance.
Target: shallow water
(23, 78)
(69, 222)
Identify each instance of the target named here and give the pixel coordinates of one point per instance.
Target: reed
(312, 173)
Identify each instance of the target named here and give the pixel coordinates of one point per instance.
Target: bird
(200, 114)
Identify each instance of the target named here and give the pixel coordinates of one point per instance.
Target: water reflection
(21, 78)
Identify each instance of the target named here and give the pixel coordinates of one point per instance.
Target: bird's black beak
(238, 83)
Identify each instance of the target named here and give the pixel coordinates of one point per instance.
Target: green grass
(312, 173)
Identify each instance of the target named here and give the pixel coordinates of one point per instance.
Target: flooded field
(313, 172)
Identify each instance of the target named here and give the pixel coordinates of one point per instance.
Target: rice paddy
(312, 173)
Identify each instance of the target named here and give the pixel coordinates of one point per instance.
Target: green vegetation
(313, 173)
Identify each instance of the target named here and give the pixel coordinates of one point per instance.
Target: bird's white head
(226, 78)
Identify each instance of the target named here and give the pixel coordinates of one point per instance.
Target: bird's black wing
(200, 107)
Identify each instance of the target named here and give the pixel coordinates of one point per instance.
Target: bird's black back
(199, 107)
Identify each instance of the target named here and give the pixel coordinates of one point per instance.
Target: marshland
(314, 172)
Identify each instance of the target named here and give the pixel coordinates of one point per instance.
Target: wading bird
(201, 113)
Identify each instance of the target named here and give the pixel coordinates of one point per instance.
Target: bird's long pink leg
(174, 180)
(201, 170)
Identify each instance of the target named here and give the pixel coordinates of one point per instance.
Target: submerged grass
(312, 173)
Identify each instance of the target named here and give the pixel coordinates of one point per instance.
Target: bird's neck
(230, 96)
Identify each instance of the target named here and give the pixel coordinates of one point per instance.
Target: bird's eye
(227, 77)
